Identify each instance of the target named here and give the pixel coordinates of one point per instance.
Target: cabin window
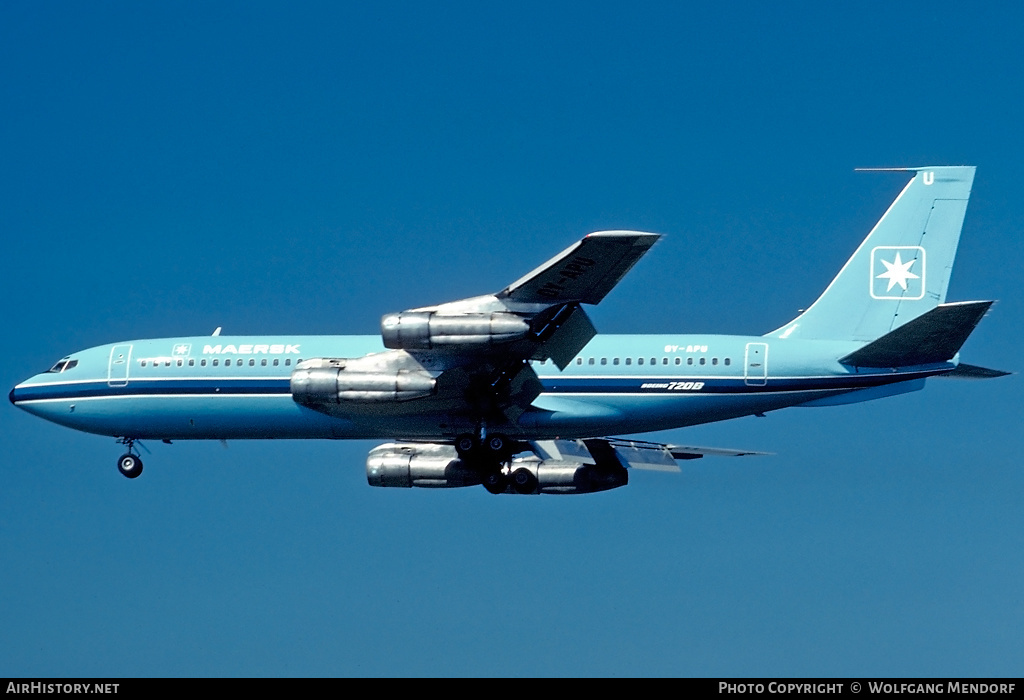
(167, 363)
(728, 362)
(287, 362)
(689, 360)
(276, 361)
(227, 363)
(181, 363)
(703, 360)
(639, 360)
(679, 360)
(202, 362)
(629, 360)
(192, 363)
(263, 362)
(590, 361)
(654, 360)
(604, 360)
(215, 362)
(579, 360)
(143, 363)
(252, 363)
(615, 361)
(714, 360)
(664, 360)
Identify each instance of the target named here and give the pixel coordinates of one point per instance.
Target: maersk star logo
(897, 272)
(182, 350)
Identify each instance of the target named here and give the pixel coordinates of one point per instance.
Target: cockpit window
(63, 366)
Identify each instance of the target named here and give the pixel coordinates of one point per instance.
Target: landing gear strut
(129, 464)
(490, 454)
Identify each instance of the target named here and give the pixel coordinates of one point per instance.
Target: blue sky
(271, 169)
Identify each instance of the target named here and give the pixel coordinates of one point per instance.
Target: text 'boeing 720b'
(515, 390)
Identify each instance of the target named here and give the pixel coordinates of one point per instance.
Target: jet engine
(365, 379)
(530, 475)
(425, 465)
(424, 330)
(428, 465)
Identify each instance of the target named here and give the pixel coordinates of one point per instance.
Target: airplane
(517, 392)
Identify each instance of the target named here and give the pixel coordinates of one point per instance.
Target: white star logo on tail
(898, 272)
(892, 278)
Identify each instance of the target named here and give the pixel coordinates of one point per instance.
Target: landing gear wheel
(129, 465)
(497, 445)
(465, 445)
(495, 482)
(523, 481)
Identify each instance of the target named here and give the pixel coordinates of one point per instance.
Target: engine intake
(424, 330)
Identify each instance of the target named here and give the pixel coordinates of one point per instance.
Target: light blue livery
(515, 390)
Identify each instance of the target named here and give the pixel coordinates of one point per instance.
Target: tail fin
(902, 268)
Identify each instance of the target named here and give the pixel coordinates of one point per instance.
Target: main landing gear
(492, 455)
(129, 464)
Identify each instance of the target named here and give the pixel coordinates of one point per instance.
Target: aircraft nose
(17, 394)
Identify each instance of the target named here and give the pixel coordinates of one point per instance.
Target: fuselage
(238, 387)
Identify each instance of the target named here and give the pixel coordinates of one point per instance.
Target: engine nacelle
(528, 476)
(424, 465)
(424, 330)
(428, 465)
(333, 381)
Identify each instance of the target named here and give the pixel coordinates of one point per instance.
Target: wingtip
(637, 236)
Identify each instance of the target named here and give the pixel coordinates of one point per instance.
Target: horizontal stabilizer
(935, 336)
(635, 454)
(965, 371)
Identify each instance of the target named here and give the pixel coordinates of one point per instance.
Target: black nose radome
(11, 396)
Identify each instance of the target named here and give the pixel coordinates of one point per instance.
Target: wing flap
(563, 335)
(634, 454)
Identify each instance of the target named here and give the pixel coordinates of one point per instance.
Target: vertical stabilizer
(902, 268)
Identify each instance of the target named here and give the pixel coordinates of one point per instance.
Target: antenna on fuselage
(216, 332)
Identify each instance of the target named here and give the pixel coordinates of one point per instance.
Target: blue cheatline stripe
(183, 387)
(654, 385)
(723, 385)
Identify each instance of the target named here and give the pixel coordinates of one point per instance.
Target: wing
(537, 316)
(484, 343)
(472, 356)
(635, 454)
(583, 273)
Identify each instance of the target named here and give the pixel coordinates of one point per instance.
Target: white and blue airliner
(517, 391)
